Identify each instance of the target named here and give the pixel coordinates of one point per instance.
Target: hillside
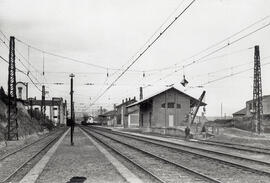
(26, 125)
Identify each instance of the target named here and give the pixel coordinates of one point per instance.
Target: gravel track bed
(229, 150)
(262, 165)
(213, 168)
(20, 174)
(166, 171)
(11, 163)
(133, 168)
(229, 145)
(15, 145)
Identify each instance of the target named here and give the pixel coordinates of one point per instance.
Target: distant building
(265, 104)
(22, 90)
(167, 108)
(240, 113)
(108, 118)
(133, 116)
(247, 111)
(122, 113)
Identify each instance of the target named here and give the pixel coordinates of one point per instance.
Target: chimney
(126, 99)
(134, 98)
(114, 106)
(129, 99)
(141, 93)
(123, 101)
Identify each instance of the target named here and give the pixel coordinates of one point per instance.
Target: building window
(250, 106)
(163, 105)
(20, 92)
(170, 105)
(178, 106)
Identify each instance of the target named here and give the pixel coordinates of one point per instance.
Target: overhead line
(18, 58)
(142, 53)
(230, 75)
(22, 73)
(214, 51)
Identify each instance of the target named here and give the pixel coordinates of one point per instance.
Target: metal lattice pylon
(43, 106)
(257, 90)
(12, 131)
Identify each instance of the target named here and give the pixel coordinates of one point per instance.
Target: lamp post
(72, 117)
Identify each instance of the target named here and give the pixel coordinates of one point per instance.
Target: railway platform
(85, 159)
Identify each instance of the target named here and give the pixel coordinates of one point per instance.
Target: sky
(111, 34)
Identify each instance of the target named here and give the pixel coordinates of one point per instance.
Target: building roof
(193, 100)
(109, 113)
(263, 97)
(241, 112)
(127, 102)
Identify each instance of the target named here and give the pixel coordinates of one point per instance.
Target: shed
(167, 108)
(240, 113)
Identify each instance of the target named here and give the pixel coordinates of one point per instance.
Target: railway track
(159, 168)
(12, 163)
(254, 149)
(258, 169)
(4, 156)
(222, 155)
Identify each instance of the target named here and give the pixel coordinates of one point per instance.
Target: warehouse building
(122, 112)
(167, 108)
(247, 111)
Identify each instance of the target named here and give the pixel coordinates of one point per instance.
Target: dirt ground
(234, 135)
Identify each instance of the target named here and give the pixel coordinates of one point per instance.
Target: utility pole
(12, 131)
(71, 109)
(43, 106)
(257, 90)
(221, 111)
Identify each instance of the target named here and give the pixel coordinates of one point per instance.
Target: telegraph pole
(12, 131)
(71, 109)
(257, 90)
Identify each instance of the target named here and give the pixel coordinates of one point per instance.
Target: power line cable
(142, 53)
(19, 59)
(213, 52)
(27, 60)
(155, 32)
(22, 73)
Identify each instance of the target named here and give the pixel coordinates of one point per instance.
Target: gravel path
(82, 159)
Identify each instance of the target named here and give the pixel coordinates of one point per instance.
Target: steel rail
(150, 140)
(20, 149)
(250, 148)
(32, 157)
(125, 157)
(197, 174)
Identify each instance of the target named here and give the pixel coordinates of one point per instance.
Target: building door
(171, 120)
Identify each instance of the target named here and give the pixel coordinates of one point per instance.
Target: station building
(121, 114)
(247, 111)
(168, 108)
